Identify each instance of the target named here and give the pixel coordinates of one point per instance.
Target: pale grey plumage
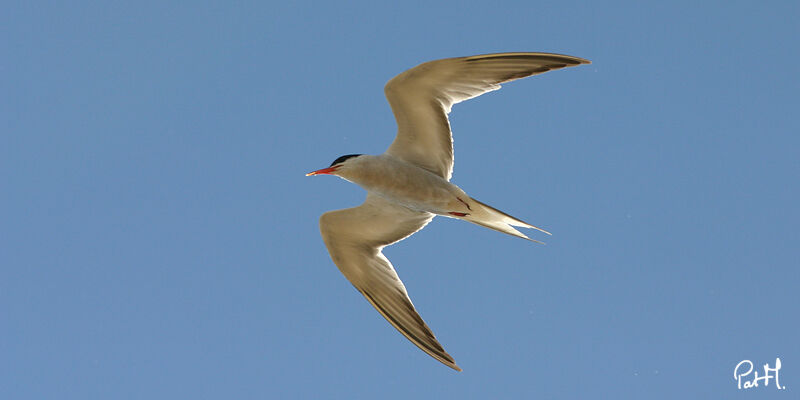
(422, 97)
(408, 185)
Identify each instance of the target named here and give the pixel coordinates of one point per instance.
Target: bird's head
(338, 166)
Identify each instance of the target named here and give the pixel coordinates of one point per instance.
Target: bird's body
(405, 184)
(418, 189)
(410, 184)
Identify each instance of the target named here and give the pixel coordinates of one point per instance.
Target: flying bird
(409, 184)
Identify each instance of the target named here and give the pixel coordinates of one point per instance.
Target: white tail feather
(493, 218)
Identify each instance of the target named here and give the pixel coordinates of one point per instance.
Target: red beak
(324, 171)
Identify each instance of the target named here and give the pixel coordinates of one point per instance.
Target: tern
(409, 184)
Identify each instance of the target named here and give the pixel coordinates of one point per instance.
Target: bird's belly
(420, 191)
(433, 200)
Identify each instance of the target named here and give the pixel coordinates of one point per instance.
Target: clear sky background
(158, 239)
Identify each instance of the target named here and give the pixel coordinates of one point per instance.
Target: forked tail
(492, 218)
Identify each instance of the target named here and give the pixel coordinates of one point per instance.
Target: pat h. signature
(745, 367)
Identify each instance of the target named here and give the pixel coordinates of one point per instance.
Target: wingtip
(451, 363)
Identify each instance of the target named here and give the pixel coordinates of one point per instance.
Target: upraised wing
(421, 98)
(355, 238)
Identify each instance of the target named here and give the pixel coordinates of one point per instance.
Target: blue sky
(159, 239)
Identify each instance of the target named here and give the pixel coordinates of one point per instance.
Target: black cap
(343, 158)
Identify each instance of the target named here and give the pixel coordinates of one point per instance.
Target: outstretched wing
(355, 238)
(421, 98)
